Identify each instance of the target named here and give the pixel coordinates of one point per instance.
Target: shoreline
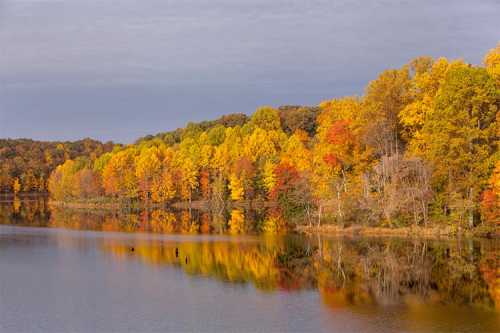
(195, 204)
(407, 232)
(432, 231)
(438, 231)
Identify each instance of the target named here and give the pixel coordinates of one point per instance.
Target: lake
(82, 271)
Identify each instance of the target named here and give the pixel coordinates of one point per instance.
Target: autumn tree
(459, 138)
(119, 176)
(61, 183)
(237, 222)
(205, 184)
(242, 179)
(492, 62)
(298, 118)
(296, 151)
(340, 156)
(490, 200)
(236, 187)
(87, 184)
(147, 168)
(16, 186)
(385, 97)
(266, 118)
(291, 190)
(428, 75)
(163, 187)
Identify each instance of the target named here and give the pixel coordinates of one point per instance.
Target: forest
(25, 164)
(418, 148)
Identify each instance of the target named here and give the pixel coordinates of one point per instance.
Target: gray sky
(120, 69)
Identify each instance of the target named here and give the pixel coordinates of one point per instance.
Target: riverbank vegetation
(419, 148)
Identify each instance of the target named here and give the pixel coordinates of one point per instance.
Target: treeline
(420, 146)
(25, 165)
(292, 118)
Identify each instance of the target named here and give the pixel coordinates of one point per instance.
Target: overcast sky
(120, 69)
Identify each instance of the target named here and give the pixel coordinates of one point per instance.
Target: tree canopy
(420, 146)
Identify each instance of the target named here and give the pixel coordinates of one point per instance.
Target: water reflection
(348, 273)
(236, 221)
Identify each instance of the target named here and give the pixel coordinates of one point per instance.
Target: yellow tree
(62, 184)
(163, 188)
(424, 87)
(224, 157)
(384, 99)
(16, 186)
(206, 151)
(260, 146)
(340, 157)
(236, 187)
(323, 176)
(274, 222)
(268, 176)
(187, 161)
(243, 176)
(147, 168)
(188, 179)
(228, 152)
(296, 152)
(237, 222)
(460, 139)
(118, 175)
(492, 62)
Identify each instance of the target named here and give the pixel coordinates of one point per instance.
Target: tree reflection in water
(347, 272)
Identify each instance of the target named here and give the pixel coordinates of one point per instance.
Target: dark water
(60, 273)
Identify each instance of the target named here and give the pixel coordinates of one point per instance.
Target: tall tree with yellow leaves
(16, 186)
(459, 138)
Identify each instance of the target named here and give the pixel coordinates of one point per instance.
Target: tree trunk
(471, 210)
(320, 208)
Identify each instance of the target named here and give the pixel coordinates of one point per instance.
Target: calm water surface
(59, 272)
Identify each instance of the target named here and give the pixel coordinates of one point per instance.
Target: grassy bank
(107, 203)
(413, 231)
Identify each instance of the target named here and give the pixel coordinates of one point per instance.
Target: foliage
(420, 146)
(27, 164)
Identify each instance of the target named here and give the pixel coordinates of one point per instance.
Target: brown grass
(424, 232)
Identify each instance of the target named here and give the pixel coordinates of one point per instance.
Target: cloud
(303, 51)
